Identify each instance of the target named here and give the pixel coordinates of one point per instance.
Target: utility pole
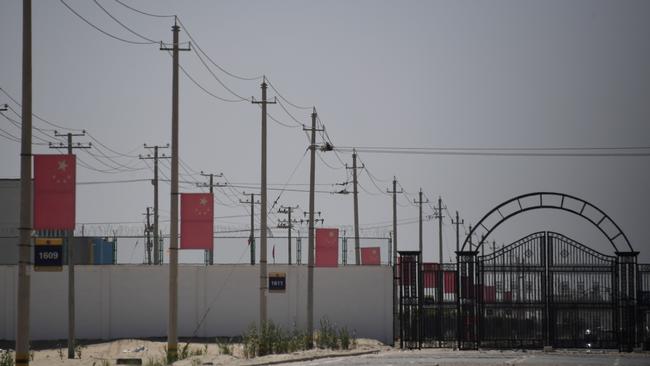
(439, 216)
(172, 335)
(208, 257)
(420, 202)
(25, 228)
(264, 213)
(251, 238)
(157, 258)
(147, 232)
(287, 224)
(310, 246)
(458, 222)
(70, 246)
(395, 192)
(395, 304)
(470, 237)
(357, 248)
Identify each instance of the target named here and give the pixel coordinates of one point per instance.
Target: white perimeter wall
(129, 301)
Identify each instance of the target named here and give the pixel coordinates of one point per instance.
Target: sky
(434, 74)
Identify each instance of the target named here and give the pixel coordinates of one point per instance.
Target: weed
(196, 362)
(60, 352)
(77, 351)
(6, 358)
(224, 348)
(327, 335)
(106, 363)
(344, 338)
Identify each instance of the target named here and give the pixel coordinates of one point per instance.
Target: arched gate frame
(623, 267)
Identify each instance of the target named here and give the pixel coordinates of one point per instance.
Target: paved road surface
(490, 358)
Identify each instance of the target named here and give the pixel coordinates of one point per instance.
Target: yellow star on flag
(63, 165)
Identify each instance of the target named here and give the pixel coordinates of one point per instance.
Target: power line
(285, 99)
(101, 30)
(513, 153)
(37, 116)
(196, 44)
(122, 24)
(144, 12)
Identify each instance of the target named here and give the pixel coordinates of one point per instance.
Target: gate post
(467, 299)
(410, 299)
(626, 268)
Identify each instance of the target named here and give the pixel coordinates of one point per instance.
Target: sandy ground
(96, 354)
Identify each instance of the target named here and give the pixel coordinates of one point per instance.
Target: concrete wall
(9, 220)
(132, 300)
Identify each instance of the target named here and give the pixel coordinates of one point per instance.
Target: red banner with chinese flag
(370, 256)
(430, 274)
(197, 221)
(54, 192)
(327, 247)
(449, 282)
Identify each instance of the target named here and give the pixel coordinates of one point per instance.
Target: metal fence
(542, 290)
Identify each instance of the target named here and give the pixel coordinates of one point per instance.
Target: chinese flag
(450, 282)
(327, 247)
(370, 256)
(54, 192)
(197, 221)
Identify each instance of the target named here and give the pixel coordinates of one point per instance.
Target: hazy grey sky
(380, 73)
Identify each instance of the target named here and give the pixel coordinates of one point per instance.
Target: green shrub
(327, 336)
(6, 358)
(344, 338)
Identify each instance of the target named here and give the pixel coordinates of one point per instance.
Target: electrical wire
(216, 77)
(37, 116)
(123, 25)
(298, 124)
(285, 99)
(101, 30)
(302, 158)
(196, 44)
(508, 153)
(206, 90)
(144, 12)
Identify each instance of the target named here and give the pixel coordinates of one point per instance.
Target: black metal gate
(542, 290)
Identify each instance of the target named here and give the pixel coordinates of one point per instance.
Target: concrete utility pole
(395, 304)
(288, 224)
(147, 232)
(458, 222)
(251, 238)
(395, 192)
(420, 202)
(70, 246)
(264, 213)
(357, 247)
(25, 229)
(157, 258)
(310, 247)
(172, 335)
(208, 257)
(470, 238)
(439, 216)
